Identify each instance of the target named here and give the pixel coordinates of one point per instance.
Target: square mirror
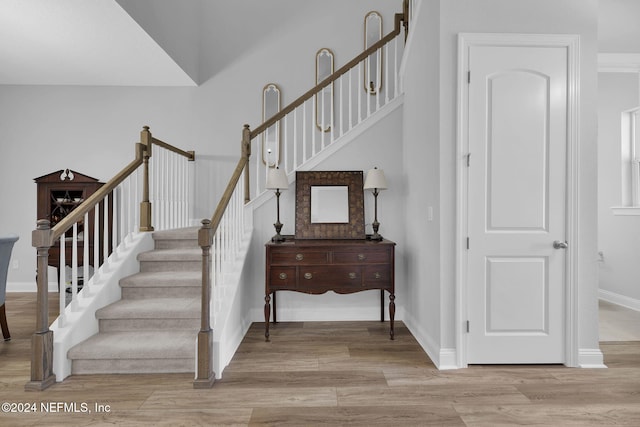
(329, 205)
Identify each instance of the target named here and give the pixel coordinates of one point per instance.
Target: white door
(516, 204)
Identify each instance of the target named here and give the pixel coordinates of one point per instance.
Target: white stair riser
(161, 292)
(176, 244)
(152, 266)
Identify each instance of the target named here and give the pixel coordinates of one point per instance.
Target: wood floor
(341, 373)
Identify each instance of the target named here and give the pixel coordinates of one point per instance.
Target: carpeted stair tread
(151, 308)
(137, 345)
(163, 278)
(178, 254)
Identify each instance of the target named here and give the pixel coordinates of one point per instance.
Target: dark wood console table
(317, 266)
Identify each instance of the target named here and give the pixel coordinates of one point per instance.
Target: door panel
(517, 146)
(517, 185)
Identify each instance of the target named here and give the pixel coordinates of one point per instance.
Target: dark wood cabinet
(59, 193)
(318, 266)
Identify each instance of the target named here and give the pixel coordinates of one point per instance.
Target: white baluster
(295, 139)
(332, 115)
(304, 132)
(105, 240)
(350, 100)
(395, 67)
(85, 252)
(360, 71)
(378, 77)
(286, 143)
(114, 222)
(96, 241)
(62, 284)
(313, 128)
(74, 262)
(385, 59)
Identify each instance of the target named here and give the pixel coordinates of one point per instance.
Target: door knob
(560, 245)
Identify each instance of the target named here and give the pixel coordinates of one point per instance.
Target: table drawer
(377, 275)
(337, 276)
(299, 257)
(282, 278)
(361, 257)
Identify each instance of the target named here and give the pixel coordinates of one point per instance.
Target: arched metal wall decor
(373, 64)
(324, 99)
(271, 143)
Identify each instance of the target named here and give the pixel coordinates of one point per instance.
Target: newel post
(204, 369)
(145, 204)
(42, 339)
(246, 154)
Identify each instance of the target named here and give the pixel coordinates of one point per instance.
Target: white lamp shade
(375, 179)
(277, 179)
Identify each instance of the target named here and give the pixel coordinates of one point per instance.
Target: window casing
(630, 150)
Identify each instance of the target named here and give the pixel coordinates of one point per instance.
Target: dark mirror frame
(305, 229)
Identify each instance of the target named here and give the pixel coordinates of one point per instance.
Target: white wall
(509, 16)
(618, 236)
(93, 129)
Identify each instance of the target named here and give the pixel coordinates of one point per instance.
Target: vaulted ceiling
(80, 42)
(159, 42)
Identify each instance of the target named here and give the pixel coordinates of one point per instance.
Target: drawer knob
(308, 276)
(299, 257)
(377, 275)
(283, 276)
(352, 275)
(362, 257)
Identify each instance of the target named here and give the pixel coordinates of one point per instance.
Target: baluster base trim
(205, 376)
(42, 376)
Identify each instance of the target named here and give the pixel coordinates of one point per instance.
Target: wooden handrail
(74, 216)
(228, 192)
(399, 18)
(191, 155)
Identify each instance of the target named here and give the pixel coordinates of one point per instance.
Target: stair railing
(301, 141)
(303, 128)
(100, 224)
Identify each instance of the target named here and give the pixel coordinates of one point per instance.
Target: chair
(6, 245)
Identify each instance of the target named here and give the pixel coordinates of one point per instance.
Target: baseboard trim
(442, 358)
(29, 287)
(591, 358)
(618, 299)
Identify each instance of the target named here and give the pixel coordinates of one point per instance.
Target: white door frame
(572, 44)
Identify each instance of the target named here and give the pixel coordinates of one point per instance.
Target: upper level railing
(300, 138)
(347, 97)
(94, 229)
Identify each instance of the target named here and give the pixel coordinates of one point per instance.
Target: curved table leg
(267, 313)
(392, 314)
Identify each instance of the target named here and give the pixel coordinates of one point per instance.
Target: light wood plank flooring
(329, 373)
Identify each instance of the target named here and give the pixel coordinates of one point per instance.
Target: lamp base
(376, 226)
(375, 236)
(278, 237)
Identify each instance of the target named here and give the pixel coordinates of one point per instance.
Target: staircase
(152, 329)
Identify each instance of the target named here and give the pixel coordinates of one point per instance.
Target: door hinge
(468, 243)
(468, 156)
(467, 326)
(468, 77)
